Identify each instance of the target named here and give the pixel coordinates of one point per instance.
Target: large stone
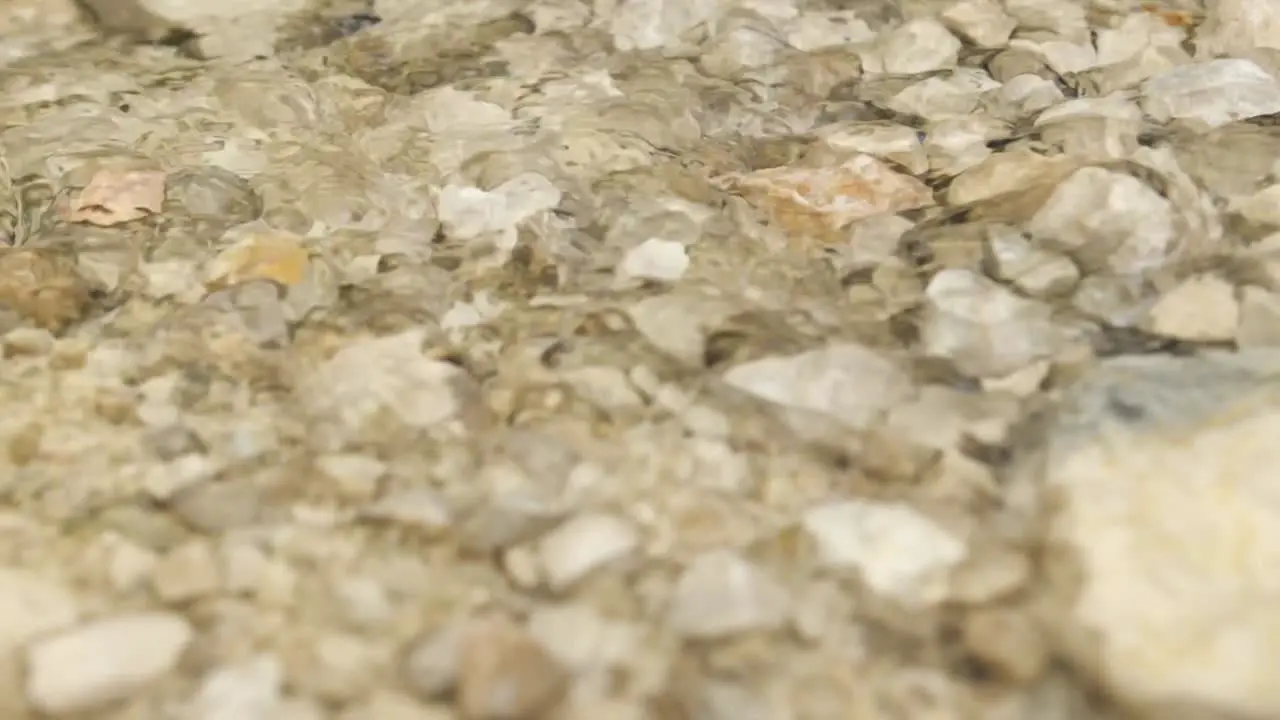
(1165, 469)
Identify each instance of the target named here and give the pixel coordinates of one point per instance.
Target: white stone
(30, 606)
(721, 593)
(1212, 94)
(848, 382)
(982, 22)
(899, 552)
(1163, 470)
(1033, 270)
(469, 213)
(1106, 219)
(1238, 27)
(420, 508)
(919, 46)
(354, 476)
(91, 665)
(383, 374)
(982, 327)
(250, 690)
(655, 259)
(582, 639)
(582, 544)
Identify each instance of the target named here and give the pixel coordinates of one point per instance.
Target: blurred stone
(1161, 463)
(982, 22)
(897, 551)
(919, 46)
(1105, 219)
(583, 543)
(1212, 94)
(43, 286)
(807, 201)
(850, 383)
(983, 328)
(87, 667)
(32, 606)
(506, 675)
(721, 593)
(250, 690)
(1259, 318)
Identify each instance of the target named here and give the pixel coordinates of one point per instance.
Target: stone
(188, 572)
(981, 22)
(1212, 94)
(507, 675)
(250, 690)
(919, 46)
(582, 544)
(1162, 471)
(584, 640)
(900, 553)
(982, 327)
(721, 593)
(88, 666)
(851, 383)
(1259, 318)
(1007, 643)
(1034, 271)
(1202, 308)
(432, 664)
(655, 259)
(43, 286)
(32, 605)
(1106, 220)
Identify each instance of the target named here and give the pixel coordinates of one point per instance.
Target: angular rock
(899, 552)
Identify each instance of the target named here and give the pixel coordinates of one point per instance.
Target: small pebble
(249, 690)
(506, 674)
(92, 665)
(582, 544)
(31, 605)
(722, 593)
(190, 571)
(431, 665)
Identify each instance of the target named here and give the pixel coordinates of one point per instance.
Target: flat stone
(92, 665)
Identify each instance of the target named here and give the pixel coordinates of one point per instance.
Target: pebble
(582, 544)
(852, 383)
(30, 606)
(250, 690)
(582, 638)
(900, 553)
(506, 674)
(721, 593)
(1007, 643)
(983, 328)
(355, 477)
(431, 665)
(1201, 309)
(86, 667)
(190, 571)
(420, 509)
(213, 507)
